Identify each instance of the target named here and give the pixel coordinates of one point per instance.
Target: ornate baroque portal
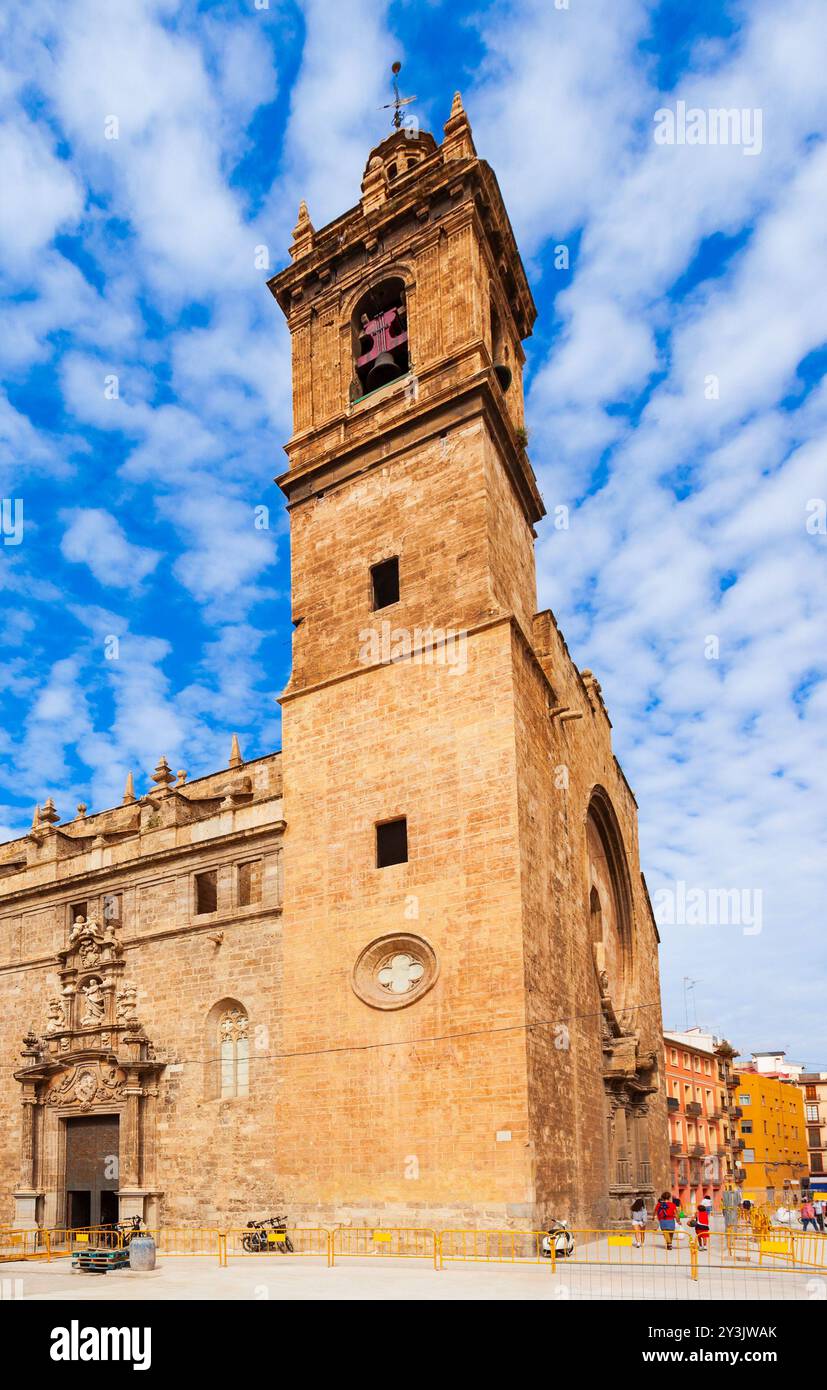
(93, 1058)
(629, 1075)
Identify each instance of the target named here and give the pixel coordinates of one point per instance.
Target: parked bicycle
(128, 1228)
(266, 1236)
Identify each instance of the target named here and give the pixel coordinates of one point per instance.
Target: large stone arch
(609, 908)
(628, 1074)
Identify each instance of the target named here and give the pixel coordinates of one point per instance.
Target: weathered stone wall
(395, 1115)
(211, 1159)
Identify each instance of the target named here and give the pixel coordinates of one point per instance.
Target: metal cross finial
(398, 101)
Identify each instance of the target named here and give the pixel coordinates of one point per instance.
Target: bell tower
(416, 729)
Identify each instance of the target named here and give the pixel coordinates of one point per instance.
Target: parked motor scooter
(557, 1232)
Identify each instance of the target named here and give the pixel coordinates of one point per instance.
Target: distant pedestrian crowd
(670, 1216)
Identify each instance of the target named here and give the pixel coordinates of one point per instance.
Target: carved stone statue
(93, 1009)
(127, 1003)
(57, 1016)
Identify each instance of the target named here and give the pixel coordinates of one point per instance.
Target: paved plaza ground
(376, 1279)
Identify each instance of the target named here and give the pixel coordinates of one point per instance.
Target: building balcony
(736, 1112)
(697, 1151)
(716, 1116)
(677, 1149)
(672, 1104)
(735, 1079)
(694, 1107)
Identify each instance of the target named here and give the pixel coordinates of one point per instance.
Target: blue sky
(677, 404)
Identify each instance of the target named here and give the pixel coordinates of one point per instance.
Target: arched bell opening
(500, 352)
(380, 335)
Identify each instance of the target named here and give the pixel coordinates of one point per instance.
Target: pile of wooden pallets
(100, 1259)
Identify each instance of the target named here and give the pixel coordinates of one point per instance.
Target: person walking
(730, 1202)
(701, 1224)
(818, 1208)
(808, 1215)
(666, 1214)
(639, 1218)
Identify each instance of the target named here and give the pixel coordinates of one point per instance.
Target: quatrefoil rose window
(394, 971)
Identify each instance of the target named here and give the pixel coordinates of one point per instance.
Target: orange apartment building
(698, 1082)
(772, 1150)
(813, 1085)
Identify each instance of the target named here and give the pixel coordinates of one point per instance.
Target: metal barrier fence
(19, 1245)
(589, 1263)
(48, 1244)
(311, 1241)
(495, 1247)
(202, 1241)
(394, 1242)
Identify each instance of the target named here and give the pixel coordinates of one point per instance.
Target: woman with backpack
(666, 1214)
(639, 1222)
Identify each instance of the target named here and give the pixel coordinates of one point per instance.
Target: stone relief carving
(127, 1003)
(91, 941)
(87, 1085)
(57, 1015)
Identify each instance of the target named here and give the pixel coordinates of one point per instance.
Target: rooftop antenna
(398, 101)
(688, 985)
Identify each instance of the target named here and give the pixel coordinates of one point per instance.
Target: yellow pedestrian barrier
(397, 1242)
(495, 1247)
(588, 1259)
(296, 1242)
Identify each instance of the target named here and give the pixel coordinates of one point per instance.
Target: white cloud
(94, 537)
(41, 196)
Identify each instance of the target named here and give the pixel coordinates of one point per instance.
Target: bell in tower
(382, 347)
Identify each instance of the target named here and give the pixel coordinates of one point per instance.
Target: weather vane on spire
(398, 101)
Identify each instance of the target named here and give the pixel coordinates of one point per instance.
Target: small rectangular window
(385, 583)
(206, 892)
(77, 910)
(249, 883)
(392, 843)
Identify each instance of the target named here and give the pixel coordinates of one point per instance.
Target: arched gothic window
(235, 1055)
(228, 1051)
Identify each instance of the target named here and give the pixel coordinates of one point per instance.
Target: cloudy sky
(677, 405)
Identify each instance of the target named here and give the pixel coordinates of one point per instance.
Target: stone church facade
(404, 970)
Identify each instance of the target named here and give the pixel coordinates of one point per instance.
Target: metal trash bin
(142, 1253)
